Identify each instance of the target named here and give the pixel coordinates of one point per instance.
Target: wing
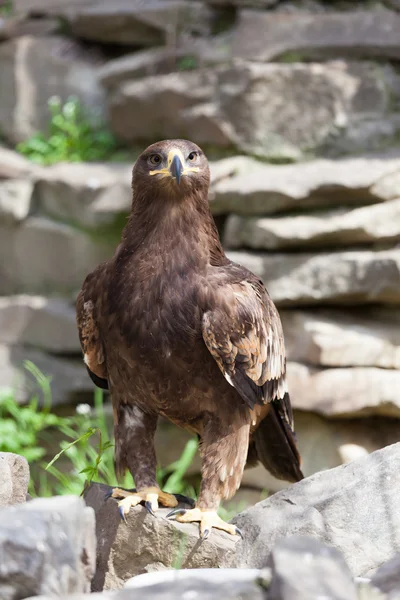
(244, 335)
(88, 301)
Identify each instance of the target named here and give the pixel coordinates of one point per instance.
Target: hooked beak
(176, 168)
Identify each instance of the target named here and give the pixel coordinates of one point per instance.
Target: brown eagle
(172, 327)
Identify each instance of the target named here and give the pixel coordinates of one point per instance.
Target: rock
(34, 69)
(13, 165)
(48, 546)
(350, 277)
(69, 378)
(11, 27)
(343, 227)
(364, 338)
(29, 266)
(325, 444)
(92, 195)
(147, 543)
(259, 189)
(362, 33)
(15, 199)
(303, 568)
(335, 507)
(126, 22)
(387, 577)
(36, 321)
(14, 479)
(358, 391)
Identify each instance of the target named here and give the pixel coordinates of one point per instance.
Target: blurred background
(297, 105)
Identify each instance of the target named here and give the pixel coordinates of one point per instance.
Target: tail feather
(275, 443)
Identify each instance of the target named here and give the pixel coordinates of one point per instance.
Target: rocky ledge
(333, 535)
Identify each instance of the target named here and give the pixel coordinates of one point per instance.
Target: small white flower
(83, 409)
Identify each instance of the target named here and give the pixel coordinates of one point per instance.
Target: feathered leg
(224, 451)
(134, 449)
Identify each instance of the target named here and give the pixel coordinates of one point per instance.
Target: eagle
(173, 328)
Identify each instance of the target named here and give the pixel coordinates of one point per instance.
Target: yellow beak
(176, 166)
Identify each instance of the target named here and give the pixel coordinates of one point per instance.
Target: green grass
(71, 137)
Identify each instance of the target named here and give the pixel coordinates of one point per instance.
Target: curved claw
(108, 494)
(239, 532)
(176, 511)
(121, 513)
(205, 534)
(150, 508)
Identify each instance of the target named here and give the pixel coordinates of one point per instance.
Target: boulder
(387, 577)
(349, 277)
(92, 195)
(304, 568)
(333, 338)
(29, 266)
(357, 391)
(335, 507)
(48, 546)
(36, 321)
(260, 189)
(352, 113)
(34, 69)
(15, 199)
(148, 543)
(69, 378)
(362, 33)
(14, 479)
(342, 227)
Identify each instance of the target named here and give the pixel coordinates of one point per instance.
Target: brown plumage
(174, 328)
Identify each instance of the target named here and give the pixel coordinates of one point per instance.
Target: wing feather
(245, 337)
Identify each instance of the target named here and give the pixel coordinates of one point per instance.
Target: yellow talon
(207, 519)
(151, 497)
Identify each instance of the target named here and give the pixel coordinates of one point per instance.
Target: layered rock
(14, 479)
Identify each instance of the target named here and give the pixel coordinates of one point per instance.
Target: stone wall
(314, 86)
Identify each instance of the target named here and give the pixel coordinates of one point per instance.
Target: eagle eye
(155, 159)
(193, 156)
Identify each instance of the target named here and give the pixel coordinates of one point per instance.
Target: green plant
(6, 8)
(187, 63)
(72, 137)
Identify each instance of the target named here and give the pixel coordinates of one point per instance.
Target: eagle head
(175, 167)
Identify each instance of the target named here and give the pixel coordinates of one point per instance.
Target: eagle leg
(207, 519)
(151, 496)
(223, 449)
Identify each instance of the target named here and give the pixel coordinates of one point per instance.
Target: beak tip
(176, 168)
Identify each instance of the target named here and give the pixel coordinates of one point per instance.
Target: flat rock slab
(350, 277)
(267, 36)
(353, 508)
(148, 543)
(257, 189)
(47, 546)
(40, 322)
(368, 337)
(379, 223)
(351, 392)
(14, 478)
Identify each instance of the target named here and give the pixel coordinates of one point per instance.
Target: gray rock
(334, 507)
(32, 70)
(13, 165)
(14, 479)
(15, 199)
(387, 577)
(268, 36)
(257, 189)
(148, 543)
(36, 321)
(48, 546)
(92, 195)
(342, 227)
(225, 107)
(357, 391)
(333, 338)
(303, 568)
(350, 277)
(69, 378)
(28, 264)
